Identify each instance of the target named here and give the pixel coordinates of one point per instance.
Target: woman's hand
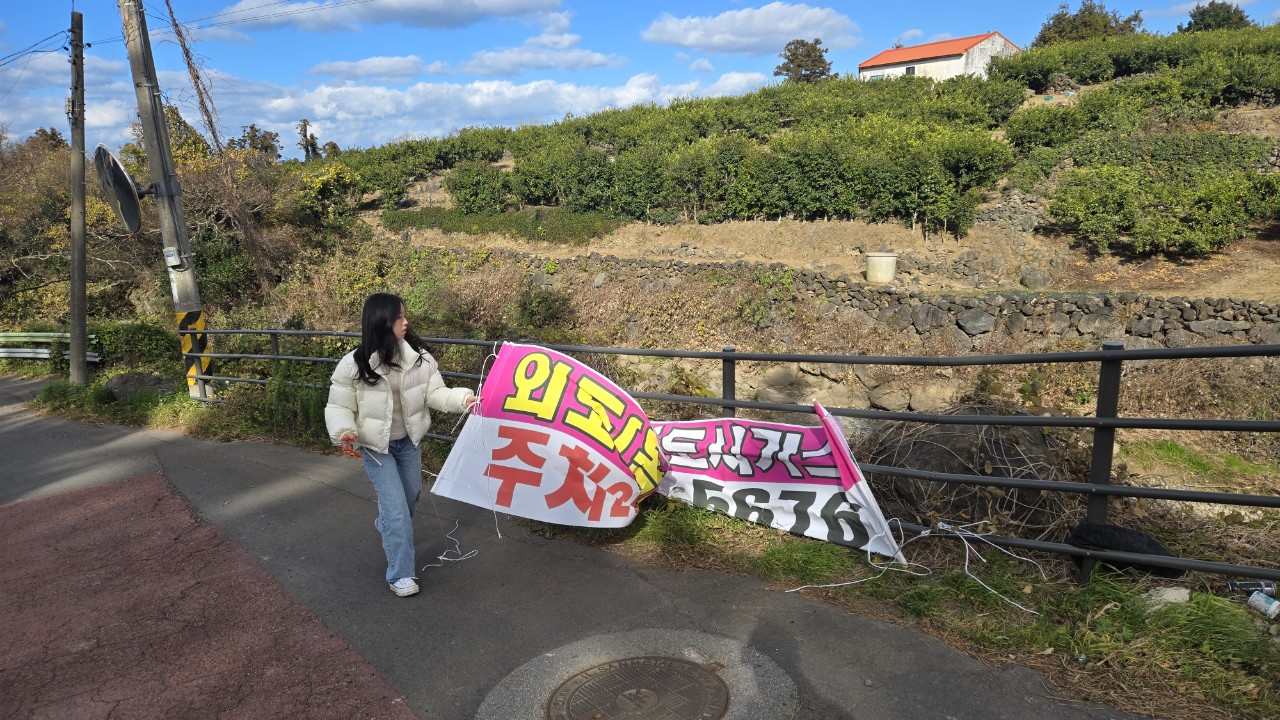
(348, 440)
(471, 403)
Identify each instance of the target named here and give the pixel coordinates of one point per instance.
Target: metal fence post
(275, 353)
(729, 382)
(1104, 441)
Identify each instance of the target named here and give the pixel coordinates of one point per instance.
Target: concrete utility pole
(168, 193)
(79, 335)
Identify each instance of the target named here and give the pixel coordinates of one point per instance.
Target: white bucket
(881, 266)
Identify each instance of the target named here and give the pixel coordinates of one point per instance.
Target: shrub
(1099, 202)
(1043, 127)
(1125, 208)
(140, 346)
(1226, 66)
(329, 194)
(1036, 167)
(477, 188)
(555, 225)
(545, 314)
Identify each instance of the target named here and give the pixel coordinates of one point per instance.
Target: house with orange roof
(939, 60)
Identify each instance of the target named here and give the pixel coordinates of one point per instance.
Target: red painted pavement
(116, 603)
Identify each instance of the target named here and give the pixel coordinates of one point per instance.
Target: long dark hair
(378, 336)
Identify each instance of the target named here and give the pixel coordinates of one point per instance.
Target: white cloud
(754, 31)
(109, 115)
(553, 23)
(701, 65)
(23, 119)
(339, 15)
(559, 41)
(514, 61)
(736, 83)
(940, 37)
(374, 68)
(910, 36)
(554, 49)
(45, 70)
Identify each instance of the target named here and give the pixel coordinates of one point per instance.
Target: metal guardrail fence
(1104, 423)
(52, 340)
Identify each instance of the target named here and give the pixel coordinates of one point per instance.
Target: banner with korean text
(554, 441)
(797, 478)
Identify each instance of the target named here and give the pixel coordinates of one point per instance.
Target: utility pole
(79, 335)
(168, 194)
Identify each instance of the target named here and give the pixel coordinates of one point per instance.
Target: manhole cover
(642, 688)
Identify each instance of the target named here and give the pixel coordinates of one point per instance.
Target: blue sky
(367, 72)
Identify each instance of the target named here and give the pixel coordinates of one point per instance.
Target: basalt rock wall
(971, 321)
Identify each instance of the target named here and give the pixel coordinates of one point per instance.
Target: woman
(378, 401)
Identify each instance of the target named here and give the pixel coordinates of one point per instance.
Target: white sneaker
(404, 587)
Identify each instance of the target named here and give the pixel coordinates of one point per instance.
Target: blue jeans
(397, 479)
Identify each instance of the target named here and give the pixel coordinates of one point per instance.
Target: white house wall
(938, 69)
(975, 61)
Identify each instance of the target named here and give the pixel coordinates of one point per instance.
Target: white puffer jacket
(366, 409)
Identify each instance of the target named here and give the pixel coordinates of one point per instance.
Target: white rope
(965, 534)
(445, 556)
(475, 408)
(907, 568)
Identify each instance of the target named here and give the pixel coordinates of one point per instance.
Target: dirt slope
(1250, 269)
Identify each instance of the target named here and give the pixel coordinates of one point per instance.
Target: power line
(23, 72)
(14, 57)
(240, 21)
(237, 12)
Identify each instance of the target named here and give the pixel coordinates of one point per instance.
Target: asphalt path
(495, 635)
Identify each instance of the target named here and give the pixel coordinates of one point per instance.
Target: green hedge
(1242, 64)
(141, 346)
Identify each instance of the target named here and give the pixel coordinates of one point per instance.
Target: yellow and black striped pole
(194, 344)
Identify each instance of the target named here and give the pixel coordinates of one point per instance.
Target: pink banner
(541, 387)
(735, 451)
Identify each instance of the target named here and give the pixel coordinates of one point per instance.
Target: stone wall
(1137, 320)
(1140, 321)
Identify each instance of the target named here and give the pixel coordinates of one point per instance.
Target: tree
(1092, 20)
(255, 138)
(310, 146)
(331, 150)
(51, 137)
(1216, 16)
(804, 62)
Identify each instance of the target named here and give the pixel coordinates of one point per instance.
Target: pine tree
(804, 62)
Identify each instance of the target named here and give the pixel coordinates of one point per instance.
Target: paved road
(495, 635)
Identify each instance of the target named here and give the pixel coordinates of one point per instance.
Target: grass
(555, 225)
(94, 402)
(244, 412)
(1194, 467)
